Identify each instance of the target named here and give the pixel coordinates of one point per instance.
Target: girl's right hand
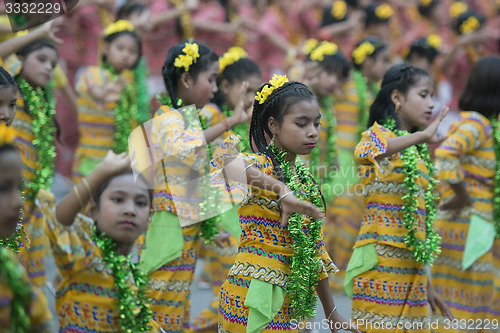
(240, 115)
(430, 133)
(116, 164)
(291, 204)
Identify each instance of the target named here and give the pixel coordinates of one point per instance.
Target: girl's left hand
(456, 204)
(115, 164)
(240, 115)
(338, 322)
(222, 238)
(436, 302)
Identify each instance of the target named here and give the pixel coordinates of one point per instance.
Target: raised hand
(50, 29)
(240, 115)
(115, 164)
(430, 133)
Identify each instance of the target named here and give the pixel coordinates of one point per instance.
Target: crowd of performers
(355, 146)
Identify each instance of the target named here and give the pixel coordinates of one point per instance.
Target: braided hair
(172, 74)
(6, 80)
(277, 105)
(401, 78)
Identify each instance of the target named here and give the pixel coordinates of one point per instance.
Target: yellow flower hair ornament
(457, 8)
(362, 51)
(310, 44)
(339, 9)
(434, 41)
(118, 26)
(323, 49)
(276, 82)
(425, 3)
(470, 25)
(384, 11)
(189, 57)
(7, 135)
(234, 54)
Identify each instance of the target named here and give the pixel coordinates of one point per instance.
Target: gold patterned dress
(466, 155)
(394, 290)
(265, 248)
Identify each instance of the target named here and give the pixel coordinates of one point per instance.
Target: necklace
(496, 195)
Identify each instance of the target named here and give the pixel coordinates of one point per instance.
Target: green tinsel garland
(241, 130)
(125, 113)
(331, 121)
(496, 194)
(208, 228)
(424, 251)
(143, 105)
(39, 104)
(134, 310)
(304, 267)
(14, 278)
(364, 108)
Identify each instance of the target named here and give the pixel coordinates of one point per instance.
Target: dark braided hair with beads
(6, 80)
(401, 78)
(277, 105)
(172, 74)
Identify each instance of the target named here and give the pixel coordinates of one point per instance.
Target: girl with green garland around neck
(235, 69)
(184, 203)
(467, 164)
(102, 288)
(399, 208)
(108, 96)
(36, 130)
(282, 264)
(24, 307)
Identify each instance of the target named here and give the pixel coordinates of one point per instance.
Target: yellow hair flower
(434, 41)
(339, 9)
(325, 48)
(310, 45)
(276, 82)
(425, 3)
(232, 55)
(457, 8)
(470, 25)
(118, 26)
(189, 57)
(362, 51)
(384, 11)
(7, 134)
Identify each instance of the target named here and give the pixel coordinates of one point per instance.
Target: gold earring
(187, 87)
(398, 106)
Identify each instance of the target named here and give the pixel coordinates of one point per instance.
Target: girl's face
(201, 91)
(299, 131)
(232, 91)
(123, 211)
(328, 82)
(379, 65)
(416, 106)
(7, 104)
(38, 66)
(11, 183)
(122, 53)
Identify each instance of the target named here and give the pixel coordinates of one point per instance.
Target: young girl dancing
(190, 74)
(281, 261)
(467, 165)
(386, 276)
(101, 289)
(107, 104)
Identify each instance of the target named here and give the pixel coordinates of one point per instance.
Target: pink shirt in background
(271, 58)
(212, 11)
(252, 37)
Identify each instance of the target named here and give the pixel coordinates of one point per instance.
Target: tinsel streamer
(496, 194)
(305, 266)
(132, 305)
(330, 154)
(241, 130)
(14, 278)
(364, 109)
(208, 229)
(143, 105)
(40, 105)
(424, 251)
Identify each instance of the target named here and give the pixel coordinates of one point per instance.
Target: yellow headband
(276, 82)
(7, 135)
(118, 26)
(234, 54)
(457, 8)
(323, 49)
(189, 57)
(339, 9)
(362, 51)
(470, 25)
(434, 41)
(384, 11)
